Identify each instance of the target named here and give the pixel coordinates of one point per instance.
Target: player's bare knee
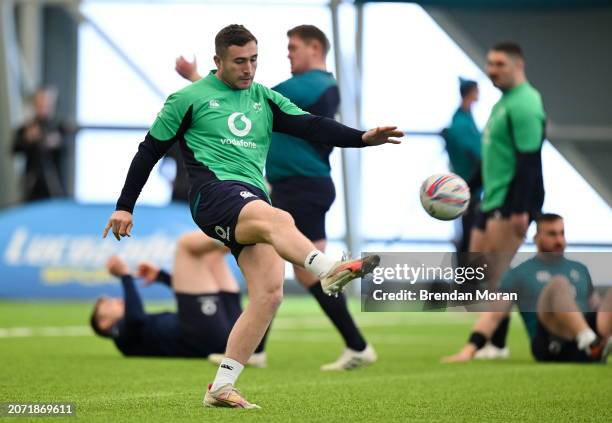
(279, 223)
(559, 284)
(269, 299)
(604, 323)
(275, 299)
(214, 258)
(183, 244)
(283, 219)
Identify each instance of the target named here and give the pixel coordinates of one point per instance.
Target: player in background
(463, 145)
(513, 187)
(566, 320)
(207, 297)
(299, 173)
(224, 124)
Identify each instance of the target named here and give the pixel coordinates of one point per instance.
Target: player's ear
(217, 60)
(317, 47)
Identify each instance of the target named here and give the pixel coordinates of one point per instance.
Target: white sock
(318, 263)
(585, 338)
(228, 372)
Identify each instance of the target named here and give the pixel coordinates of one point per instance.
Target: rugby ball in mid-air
(445, 196)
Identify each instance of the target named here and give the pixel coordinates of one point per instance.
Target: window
(410, 79)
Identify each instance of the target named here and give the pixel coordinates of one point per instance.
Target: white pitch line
(315, 322)
(289, 323)
(46, 331)
(327, 337)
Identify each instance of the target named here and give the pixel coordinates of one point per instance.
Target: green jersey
(516, 125)
(529, 279)
(230, 130)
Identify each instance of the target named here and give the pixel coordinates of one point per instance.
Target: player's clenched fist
(121, 223)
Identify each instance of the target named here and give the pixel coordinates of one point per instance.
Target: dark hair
(310, 33)
(510, 48)
(232, 35)
(466, 86)
(93, 321)
(546, 218)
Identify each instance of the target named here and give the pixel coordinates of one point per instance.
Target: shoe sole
(355, 270)
(225, 404)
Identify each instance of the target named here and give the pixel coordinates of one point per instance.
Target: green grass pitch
(407, 384)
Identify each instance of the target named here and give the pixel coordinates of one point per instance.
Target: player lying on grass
(565, 319)
(208, 302)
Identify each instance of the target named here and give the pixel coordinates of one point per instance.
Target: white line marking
(281, 324)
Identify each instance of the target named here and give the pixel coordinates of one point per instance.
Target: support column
(10, 101)
(348, 78)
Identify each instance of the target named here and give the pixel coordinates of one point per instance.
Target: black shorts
(215, 208)
(306, 199)
(503, 212)
(548, 347)
(207, 319)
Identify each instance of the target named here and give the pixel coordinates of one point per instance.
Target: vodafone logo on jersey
(231, 123)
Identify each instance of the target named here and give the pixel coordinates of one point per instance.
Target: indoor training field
(60, 360)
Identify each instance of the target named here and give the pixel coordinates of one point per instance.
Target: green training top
(529, 278)
(516, 124)
(230, 130)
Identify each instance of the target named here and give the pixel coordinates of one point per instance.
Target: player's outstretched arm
(483, 330)
(382, 135)
(288, 119)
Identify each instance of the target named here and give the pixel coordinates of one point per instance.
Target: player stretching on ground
(511, 169)
(299, 173)
(556, 301)
(224, 124)
(208, 302)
